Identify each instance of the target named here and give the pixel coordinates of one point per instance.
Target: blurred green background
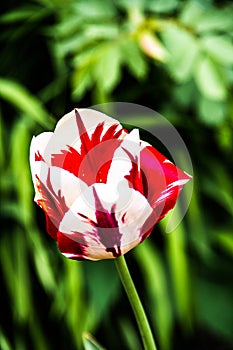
(175, 57)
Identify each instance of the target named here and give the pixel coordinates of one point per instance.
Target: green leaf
(15, 270)
(81, 81)
(184, 50)
(161, 5)
(94, 9)
(199, 233)
(215, 19)
(225, 239)
(209, 80)
(107, 68)
(75, 300)
(20, 139)
(133, 58)
(5, 344)
(102, 31)
(84, 64)
(88, 35)
(18, 15)
(72, 44)
(179, 268)
(129, 333)
(2, 141)
(127, 4)
(20, 98)
(100, 280)
(184, 94)
(219, 48)
(218, 186)
(25, 13)
(90, 343)
(43, 267)
(88, 56)
(212, 112)
(224, 138)
(214, 306)
(191, 13)
(67, 27)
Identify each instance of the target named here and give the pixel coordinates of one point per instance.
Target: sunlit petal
(108, 219)
(56, 190)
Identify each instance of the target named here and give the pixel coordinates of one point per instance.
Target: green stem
(143, 324)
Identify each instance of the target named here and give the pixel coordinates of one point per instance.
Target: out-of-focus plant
(195, 46)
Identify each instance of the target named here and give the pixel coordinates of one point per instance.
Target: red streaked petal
(168, 198)
(59, 181)
(135, 176)
(132, 220)
(109, 219)
(56, 190)
(91, 163)
(76, 129)
(114, 132)
(38, 157)
(86, 143)
(75, 250)
(96, 136)
(38, 146)
(90, 118)
(126, 162)
(69, 160)
(51, 228)
(37, 149)
(164, 180)
(51, 202)
(102, 188)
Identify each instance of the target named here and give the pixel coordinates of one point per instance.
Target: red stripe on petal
(111, 133)
(107, 227)
(53, 204)
(96, 136)
(92, 162)
(161, 176)
(156, 179)
(103, 155)
(73, 249)
(51, 228)
(38, 156)
(69, 160)
(86, 143)
(172, 172)
(135, 177)
(168, 204)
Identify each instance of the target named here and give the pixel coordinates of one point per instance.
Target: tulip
(102, 188)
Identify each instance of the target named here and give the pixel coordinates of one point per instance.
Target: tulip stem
(143, 324)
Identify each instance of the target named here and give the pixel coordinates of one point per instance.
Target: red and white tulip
(102, 189)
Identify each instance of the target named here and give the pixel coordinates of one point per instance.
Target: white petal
(67, 132)
(59, 181)
(86, 206)
(129, 207)
(37, 148)
(121, 163)
(91, 118)
(170, 188)
(79, 220)
(137, 213)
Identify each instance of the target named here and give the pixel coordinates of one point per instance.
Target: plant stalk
(143, 324)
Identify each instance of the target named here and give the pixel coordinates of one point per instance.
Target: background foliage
(175, 57)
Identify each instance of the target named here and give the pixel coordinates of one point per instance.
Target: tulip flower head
(102, 188)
